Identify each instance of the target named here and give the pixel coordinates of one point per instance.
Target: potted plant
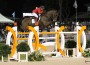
(22, 50)
(70, 44)
(86, 53)
(23, 47)
(5, 50)
(88, 44)
(36, 56)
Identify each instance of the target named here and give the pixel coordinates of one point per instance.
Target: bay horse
(47, 19)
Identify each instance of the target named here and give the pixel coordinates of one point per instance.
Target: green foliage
(70, 44)
(86, 53)
(88, 44)
(5, 50)
(50, 3)
(36, 56)
(53, 54)
(23, 47)
(3, 42)
(0, 57)
(70, 52)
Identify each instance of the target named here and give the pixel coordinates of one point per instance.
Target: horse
(47, 19)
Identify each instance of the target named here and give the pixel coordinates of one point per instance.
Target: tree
(66, 10)
(51, 4)
(3, 5)
(61, 5)
(60, 10)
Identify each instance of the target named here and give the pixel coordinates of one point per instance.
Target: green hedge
(5, 50)
(70, 44)
(88, 44)
(23, 47)
(0, 57)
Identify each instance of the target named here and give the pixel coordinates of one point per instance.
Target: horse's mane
(53, 10)
(50, 12)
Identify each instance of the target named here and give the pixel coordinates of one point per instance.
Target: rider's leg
(27, 14)
(34, 14)
(39, 17)
(36, 17)
(33, 21)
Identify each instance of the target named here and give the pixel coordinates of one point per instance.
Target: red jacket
(38, 11)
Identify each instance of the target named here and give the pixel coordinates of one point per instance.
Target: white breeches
(30, 14)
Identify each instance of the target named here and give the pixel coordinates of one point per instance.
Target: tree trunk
(60, 10)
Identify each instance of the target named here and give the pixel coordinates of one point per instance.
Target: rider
(38, 11)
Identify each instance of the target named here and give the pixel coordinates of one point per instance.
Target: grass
(22, 56)
(5, 58)
(2, 44)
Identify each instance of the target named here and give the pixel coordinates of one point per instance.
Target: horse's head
(49, 18)
(55, 16)
(52, 15)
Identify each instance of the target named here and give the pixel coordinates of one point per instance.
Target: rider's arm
(40, 11)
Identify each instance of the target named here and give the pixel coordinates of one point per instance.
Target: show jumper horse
(46, 20)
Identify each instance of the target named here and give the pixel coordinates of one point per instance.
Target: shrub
(23, 47)
(86, 53)
(3, 41)
(53, 54)
(0, 57)
(88, 44)
(5, 50)
(70, 44)
(36, 56)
